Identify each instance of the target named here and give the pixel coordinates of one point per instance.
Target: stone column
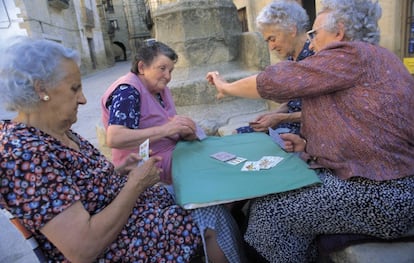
(202, 32)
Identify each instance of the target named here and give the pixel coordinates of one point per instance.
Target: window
(243, 19)
(114, 24)
(409, 30)
(59, 4)
(109, 6)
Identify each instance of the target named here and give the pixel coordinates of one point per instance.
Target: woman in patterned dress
(78, 206)
(357, 132)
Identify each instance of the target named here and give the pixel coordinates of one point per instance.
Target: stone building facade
(74, 23)
(395, 23)
(104, 31)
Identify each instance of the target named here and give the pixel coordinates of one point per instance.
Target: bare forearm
(107, 224)
(293, 117)
(122, 137)
(245, 88)
(283, 107)
(87, 236)
(80, 236)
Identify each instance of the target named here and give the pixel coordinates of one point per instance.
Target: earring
(46, 98)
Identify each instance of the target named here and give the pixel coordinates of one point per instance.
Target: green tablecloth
(200, 180)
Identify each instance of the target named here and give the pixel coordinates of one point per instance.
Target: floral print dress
(40, 178)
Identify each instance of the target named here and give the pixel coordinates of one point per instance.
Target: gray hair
(25, 60)
(359, 17)
(150, 49)
(285, 14)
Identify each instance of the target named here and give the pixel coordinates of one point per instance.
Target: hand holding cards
(201, 135)
(274, 134)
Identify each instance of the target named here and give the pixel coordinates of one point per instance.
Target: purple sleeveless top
(152, 114)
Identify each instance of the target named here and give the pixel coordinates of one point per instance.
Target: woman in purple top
(357, 131)
(139, 106)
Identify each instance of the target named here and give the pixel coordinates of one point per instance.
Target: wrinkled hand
(293, 142)
(263, 122)
(130, 163)
(147, 174)
(182, 125)
(215, 79)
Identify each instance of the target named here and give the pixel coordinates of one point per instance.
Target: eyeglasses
(150, 42)
(312, 33)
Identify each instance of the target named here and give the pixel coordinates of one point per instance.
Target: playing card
(144, 151)
(267, 162)
(250, 166)
(201, 135)
(274, 134)
(236, 160)
(223, 156)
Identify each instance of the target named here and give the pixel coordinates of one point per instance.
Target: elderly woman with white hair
(357, 132)
(283, 25)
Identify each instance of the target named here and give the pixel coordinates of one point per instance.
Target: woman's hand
(130, 163)
(181, 125)
(263, 122)
(214, 79)
(293, 142)
(147, 174)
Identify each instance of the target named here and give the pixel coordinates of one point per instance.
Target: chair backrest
(17, 244)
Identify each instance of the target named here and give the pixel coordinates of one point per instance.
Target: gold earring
(46, 98)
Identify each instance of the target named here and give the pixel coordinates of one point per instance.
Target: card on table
(144, 151)
(251, 166)
(223, 156)
(236, 160)
(267, 162)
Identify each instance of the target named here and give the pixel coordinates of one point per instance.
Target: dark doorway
(122, 46)
(309, 6)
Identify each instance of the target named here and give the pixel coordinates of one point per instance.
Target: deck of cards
(201, 135)
(223, 156)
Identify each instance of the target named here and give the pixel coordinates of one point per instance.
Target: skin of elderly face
(65, 98)
(279, 40)
(322, 37)
(158, 74)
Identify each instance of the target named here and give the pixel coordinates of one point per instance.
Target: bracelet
(306, 143)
